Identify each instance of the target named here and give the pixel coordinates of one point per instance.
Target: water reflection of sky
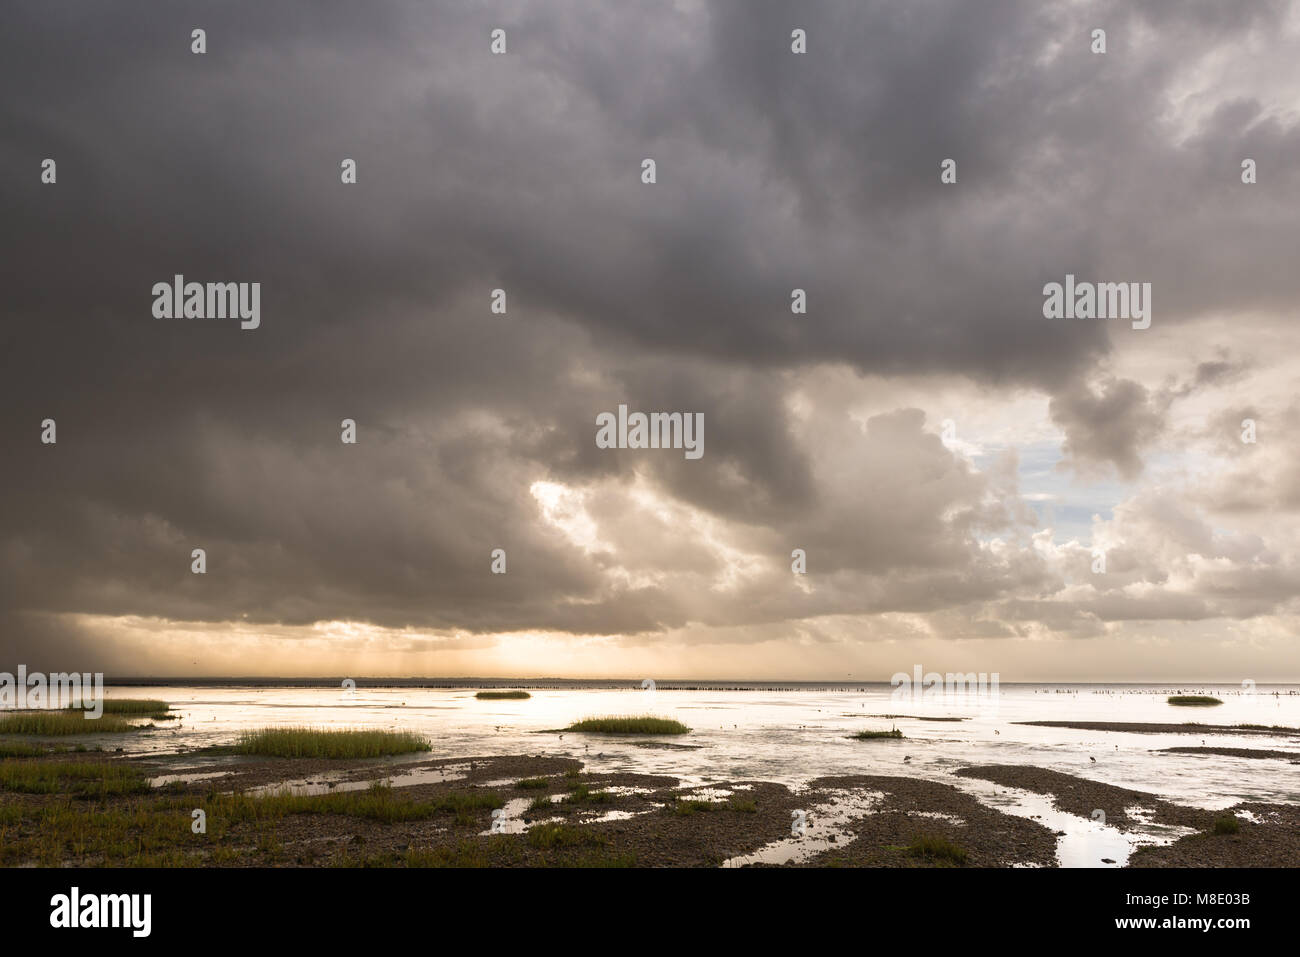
(786, 736)
(794, 736)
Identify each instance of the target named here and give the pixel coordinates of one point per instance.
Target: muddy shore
(1268, 835)
(441, 812)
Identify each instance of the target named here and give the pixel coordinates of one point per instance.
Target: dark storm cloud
(522, 172)
(1107, 426)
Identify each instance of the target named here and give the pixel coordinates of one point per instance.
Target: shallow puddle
(1085, 842)
(825, 827)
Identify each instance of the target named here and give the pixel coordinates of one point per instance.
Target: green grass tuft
(532, 784)
(1193, 700)
(937, 848)
(21, 751)
(320, 743)
(629, 724)
(1227, 824)
(503, 695)
(61, 722)
(540, 803)
(584, 795)
(685, 807)
(548, 836)
(82, 778)
(142, 707)
(873, 735)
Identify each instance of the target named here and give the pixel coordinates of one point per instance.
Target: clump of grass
(379, 802)
(1193, 700)
(629, 724)
(62, 722)
(145, 707)
(936, 848)
(503, 695)
(540, 803)
(465, 806)
(743, 806)
(874, 735)
(685, 807)
(481, 852)
(321, 743)
(82, 778)
(462, 802)
(549, 836)
(1227, 824)
(573, 774)
(584, 795)
(20, 751)
(532, 784)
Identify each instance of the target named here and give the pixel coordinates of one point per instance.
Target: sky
(951, 462)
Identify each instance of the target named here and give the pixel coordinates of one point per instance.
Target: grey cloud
(474, 172)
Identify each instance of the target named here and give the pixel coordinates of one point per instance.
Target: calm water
(790, 736)
(794, 735)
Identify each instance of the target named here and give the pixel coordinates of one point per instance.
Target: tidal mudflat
(766, 777)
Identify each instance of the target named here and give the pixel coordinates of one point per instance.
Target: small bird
(996, 731)
(907, 758)
(1092, 759)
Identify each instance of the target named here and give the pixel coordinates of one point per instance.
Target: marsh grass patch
(932, 847)
(328, 743)
(892, 734)
(629, 724)
(78, 778)
(62, 723)
(1227, 824)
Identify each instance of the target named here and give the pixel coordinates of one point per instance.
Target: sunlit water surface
(794, 736)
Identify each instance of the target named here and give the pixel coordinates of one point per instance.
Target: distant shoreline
(1288, 687)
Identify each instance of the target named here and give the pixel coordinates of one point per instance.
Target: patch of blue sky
(1062, 500)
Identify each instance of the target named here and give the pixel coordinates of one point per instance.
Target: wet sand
(1236, 753)
(1269, 834)
(626, 819)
